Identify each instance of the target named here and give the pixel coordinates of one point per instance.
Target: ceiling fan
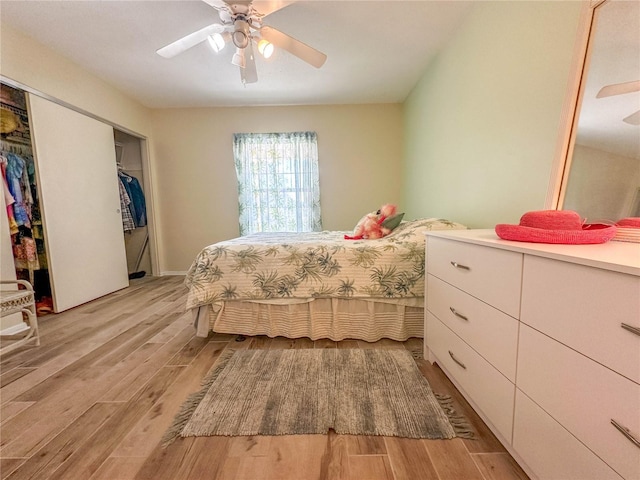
(620, 89)
(241, 23)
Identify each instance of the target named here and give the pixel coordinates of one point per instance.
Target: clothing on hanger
(136, 195)
(125, 201)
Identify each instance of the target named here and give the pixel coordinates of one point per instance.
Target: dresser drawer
(490, 332)
(584, 307)
(486, 386)
(583, 396)
(550, 450)
(492, 275)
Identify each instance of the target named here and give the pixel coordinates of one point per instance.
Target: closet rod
(17, 148)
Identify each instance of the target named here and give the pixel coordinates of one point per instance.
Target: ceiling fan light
(238, 58)
(240, 35)
(265, 48)
(240, 39)
(216, 42)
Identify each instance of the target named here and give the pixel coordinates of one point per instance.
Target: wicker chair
(19, 301)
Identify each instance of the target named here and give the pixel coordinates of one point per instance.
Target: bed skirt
(333, 318)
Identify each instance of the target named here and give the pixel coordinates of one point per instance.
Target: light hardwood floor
(93, 401)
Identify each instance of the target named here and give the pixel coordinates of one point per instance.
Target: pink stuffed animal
(370, 226)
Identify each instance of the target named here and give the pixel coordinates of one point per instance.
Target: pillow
(393, 221)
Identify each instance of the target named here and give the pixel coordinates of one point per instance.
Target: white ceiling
(377, 50)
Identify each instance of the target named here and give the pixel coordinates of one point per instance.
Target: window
(278, 183)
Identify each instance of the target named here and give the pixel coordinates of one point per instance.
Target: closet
(130, 174)
(78, 162)
(22, 241)
(24, 221)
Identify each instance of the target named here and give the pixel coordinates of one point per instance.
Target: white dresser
(544, 342)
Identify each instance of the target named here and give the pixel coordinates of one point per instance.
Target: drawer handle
(631, 328)
(625, 431)
(460, 266)
(453, 357)
(458, 314)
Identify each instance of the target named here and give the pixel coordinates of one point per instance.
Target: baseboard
(15, 329)
(166, 274)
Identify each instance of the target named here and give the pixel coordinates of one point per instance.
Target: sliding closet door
(76, 168)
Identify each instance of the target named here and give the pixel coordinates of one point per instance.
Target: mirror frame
(571, 107)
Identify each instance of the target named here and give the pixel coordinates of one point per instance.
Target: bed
(315, 285)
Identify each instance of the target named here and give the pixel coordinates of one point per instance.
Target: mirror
(602, 172)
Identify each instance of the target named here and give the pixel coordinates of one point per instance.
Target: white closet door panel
(77, 175)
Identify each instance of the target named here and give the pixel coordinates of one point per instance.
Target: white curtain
(278, 182)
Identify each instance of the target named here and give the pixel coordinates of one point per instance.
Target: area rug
(310, 391)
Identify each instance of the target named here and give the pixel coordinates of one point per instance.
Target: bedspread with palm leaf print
(268, 266)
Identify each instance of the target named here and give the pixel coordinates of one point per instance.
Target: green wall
(482, 125)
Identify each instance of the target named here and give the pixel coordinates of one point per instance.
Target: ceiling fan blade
(249, 74)
(189, 41)
(267, 7)
(217, 4)
(619, 89)
(263, 7)
(293, 46)
(633, 119)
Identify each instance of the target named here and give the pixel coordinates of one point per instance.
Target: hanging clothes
(18, 178)
(21, 194)
(25, 252)
(18, 183)
(8, 198)
(127, 219)
(36, 217)
(137, 206)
